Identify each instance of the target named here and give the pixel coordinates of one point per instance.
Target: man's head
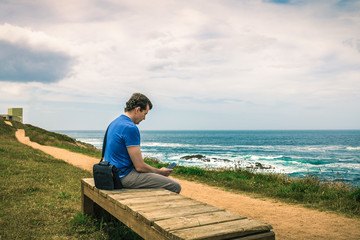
(138, 100)
(137, 107)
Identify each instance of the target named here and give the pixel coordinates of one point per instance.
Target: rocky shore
(248, 165)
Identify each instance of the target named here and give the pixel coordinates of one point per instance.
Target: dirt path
(288, 221)
(76, 159)
(8, 123)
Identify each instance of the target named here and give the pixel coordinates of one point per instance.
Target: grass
(310, 191)
(40, 196)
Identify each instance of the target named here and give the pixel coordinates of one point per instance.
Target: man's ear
(138, 109)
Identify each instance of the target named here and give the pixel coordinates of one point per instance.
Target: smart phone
(172, 165)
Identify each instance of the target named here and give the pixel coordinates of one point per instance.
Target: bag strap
(118, 170)
(103, 153)
(104, 145)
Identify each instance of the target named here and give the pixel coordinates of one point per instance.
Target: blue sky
(220, 64)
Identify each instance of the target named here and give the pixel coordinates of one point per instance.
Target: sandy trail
(288, 221)
(8, 123)
(76, 159)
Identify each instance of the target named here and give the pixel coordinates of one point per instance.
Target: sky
(205, 65)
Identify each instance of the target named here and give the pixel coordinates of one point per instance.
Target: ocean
(330, 154)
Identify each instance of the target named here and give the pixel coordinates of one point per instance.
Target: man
(123, 149)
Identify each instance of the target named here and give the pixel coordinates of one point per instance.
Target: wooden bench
(157, 214)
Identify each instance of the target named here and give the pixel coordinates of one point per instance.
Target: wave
(256, 158)
(170, 145)
(181, 145)
(353, 148)
(342, 165)
(306, 148)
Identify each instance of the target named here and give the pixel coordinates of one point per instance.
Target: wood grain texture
(160, 214)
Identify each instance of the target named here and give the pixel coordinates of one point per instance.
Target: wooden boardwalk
(161, 214)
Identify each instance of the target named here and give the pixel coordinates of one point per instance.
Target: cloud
(251, 55)
(28, 56)
(353, 43)
(19, 63)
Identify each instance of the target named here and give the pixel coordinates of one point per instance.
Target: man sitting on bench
(123, 149)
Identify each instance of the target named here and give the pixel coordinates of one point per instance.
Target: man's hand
(165, 171)
(141, 166)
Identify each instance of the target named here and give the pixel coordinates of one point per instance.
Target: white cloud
(252, 55)
(29, 56)
(35, 39)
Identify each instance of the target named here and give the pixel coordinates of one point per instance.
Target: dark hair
(138, 100)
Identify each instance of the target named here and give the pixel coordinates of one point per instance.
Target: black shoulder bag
(106, 175)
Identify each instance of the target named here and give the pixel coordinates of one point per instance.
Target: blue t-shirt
(122, 133)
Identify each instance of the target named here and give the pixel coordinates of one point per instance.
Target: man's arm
(141, 166)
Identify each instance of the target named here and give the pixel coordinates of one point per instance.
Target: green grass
(40, 196)
(310, 191)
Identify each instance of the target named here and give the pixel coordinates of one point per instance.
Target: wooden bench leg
(87, 205)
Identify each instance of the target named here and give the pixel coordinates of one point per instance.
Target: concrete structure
(14, 114)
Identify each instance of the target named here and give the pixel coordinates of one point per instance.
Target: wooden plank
(125, 195)
(202, 219)
(144, 230)
(133, 190)
(164, 204)
(114, 195)
(123, 201)
(150, 199)
(89, 182)
(155, 215)
(261, 236)
(137, 209)
(127, 203)
(223, 230)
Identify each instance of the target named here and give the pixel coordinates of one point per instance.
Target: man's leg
(149, 180)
